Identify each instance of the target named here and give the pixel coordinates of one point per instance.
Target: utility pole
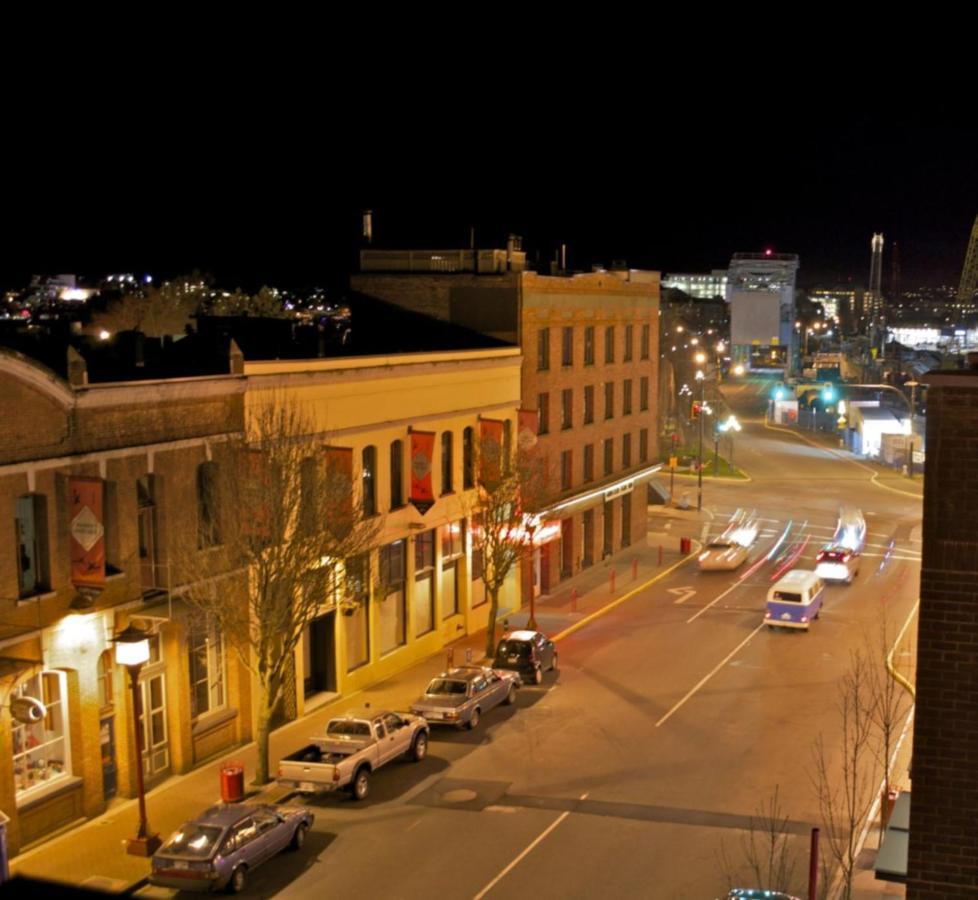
(699, 486)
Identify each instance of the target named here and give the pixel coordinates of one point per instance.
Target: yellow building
(424, 587)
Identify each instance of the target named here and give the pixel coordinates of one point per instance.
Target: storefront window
(424, 595)
(41, 749)
(392, 612)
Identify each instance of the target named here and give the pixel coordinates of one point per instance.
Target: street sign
(673, 462)
(682, 593)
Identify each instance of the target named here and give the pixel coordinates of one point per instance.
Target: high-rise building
(702, 287)
(761, 293)
(874, 296)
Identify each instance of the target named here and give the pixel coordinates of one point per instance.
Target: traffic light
(696, 410)
(828, 393)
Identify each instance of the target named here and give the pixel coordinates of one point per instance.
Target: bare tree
(154, 311)
(846, 787)
(278, 507)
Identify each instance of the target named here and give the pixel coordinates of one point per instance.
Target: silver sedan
(460, 696)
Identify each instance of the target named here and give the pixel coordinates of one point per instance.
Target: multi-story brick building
(78, 572)
(590, 369)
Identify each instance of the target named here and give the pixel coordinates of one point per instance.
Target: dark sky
(671, 193)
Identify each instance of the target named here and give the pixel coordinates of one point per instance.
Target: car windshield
(720, 544)
(445, 686)
(349, 727)
(513, 648)
(194, 840)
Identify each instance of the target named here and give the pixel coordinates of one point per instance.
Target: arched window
(397, 474)
(468, 459)
(447, 461)
(368, 478)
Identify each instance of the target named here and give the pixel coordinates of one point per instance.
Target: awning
(891, 861)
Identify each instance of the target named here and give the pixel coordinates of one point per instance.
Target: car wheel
(361, 784)
(239, 878)
(419, 749)
(553, 662)
(299, 838)
(538, 675)
(510, 696)
(473, 722)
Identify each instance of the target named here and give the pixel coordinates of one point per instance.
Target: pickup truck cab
(354, 747)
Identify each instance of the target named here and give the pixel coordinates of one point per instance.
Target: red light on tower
(768, 252)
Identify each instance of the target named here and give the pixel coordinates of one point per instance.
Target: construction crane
(969, 274)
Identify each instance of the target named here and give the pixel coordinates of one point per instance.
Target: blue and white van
(794, 600)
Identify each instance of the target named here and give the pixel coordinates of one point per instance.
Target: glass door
(156, 748)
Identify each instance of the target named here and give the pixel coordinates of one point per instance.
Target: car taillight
(336, 774)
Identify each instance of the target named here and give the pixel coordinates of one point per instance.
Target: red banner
(422, 454)
(490, 451)
(339, 489)
(87, 532)
(528, 425)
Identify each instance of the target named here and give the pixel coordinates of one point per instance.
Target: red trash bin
(685, 546)
(232, 782)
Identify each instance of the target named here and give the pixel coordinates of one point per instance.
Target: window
(645, 342)
(626, 397)
(40, 754)
(468, 459)
(30, 523)
(589, 404)
(629, 340)
(589, 345)
(447, 462)
(424, 595)
(609, 399)
(106, 694)
(626, 451)
(567, 346)
(397, 474)
(392, 611)
(369, 482)
(609, 454)
(566, 409)
(543, 407)
(356, 623)
(643, 445)
(452, 552)
(643, 393)
(208, 525)
(309, 488)
(566, 470)
(589, 462)
(207, 675)
(543, 350)
(478, 585)
(609, 344)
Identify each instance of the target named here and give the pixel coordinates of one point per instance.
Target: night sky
(675, 197)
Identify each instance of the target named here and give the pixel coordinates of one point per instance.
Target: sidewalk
(93, 854)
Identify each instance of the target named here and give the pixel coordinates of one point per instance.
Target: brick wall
(943, 852)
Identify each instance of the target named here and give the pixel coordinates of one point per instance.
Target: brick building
(590, 369)
(137, 450)
(943, 848)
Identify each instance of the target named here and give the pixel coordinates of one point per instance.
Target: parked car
(354, 747)
(460, 696)
(528, 652)
(218, 849)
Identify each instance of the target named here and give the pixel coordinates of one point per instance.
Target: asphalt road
(671, 721)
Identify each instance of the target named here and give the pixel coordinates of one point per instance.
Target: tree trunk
(491, 624)
(262, 733)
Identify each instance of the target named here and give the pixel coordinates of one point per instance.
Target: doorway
(319, 657)
(609, 531)
(588, 557)
(156, 746)
(110, 777)
(566, 548)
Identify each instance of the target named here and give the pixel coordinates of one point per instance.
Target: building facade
(761, 294)
(590, 370)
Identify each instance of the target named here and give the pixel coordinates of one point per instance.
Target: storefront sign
(87, 532)
(626, 487)
(27, 710)
(422, 452)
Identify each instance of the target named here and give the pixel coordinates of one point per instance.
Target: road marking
(706, 678)
(683, 593)
(525, 853)
(716, 600)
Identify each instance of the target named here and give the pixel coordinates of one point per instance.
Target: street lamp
(701, 378)
(913, 385)
(531, 527)
(132, 651)
(728, 428)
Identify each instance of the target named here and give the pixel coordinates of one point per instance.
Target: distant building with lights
(761, 294)
(843, 303)
(702, 287)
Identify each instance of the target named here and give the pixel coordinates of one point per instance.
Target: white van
(794, 600)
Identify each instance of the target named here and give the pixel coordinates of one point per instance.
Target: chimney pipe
(368, 226)
(563, 257)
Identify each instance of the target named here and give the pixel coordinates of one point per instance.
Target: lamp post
(913, 385)
(132, 651)
(701, 378)
(531, 527)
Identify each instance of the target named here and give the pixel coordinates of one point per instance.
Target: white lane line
(707, 677)
(523, 855)
(714, 600)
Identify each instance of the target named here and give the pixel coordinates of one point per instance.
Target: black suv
(527, 652)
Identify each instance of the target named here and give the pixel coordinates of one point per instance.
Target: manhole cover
(459, 795)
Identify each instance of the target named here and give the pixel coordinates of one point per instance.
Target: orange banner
(339, 481)
(422, 454)
(490, 451)
(527, 430)
(87, 532)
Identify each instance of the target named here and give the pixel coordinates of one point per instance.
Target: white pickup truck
(355, 746)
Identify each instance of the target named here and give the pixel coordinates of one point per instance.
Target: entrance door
(535, 572)
(110, 781)
(156, 746)
(567, 547)
(588, 558)
(318, 657)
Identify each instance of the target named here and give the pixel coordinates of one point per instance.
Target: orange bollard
(573, 599)
(634, 569)
(612, 580)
